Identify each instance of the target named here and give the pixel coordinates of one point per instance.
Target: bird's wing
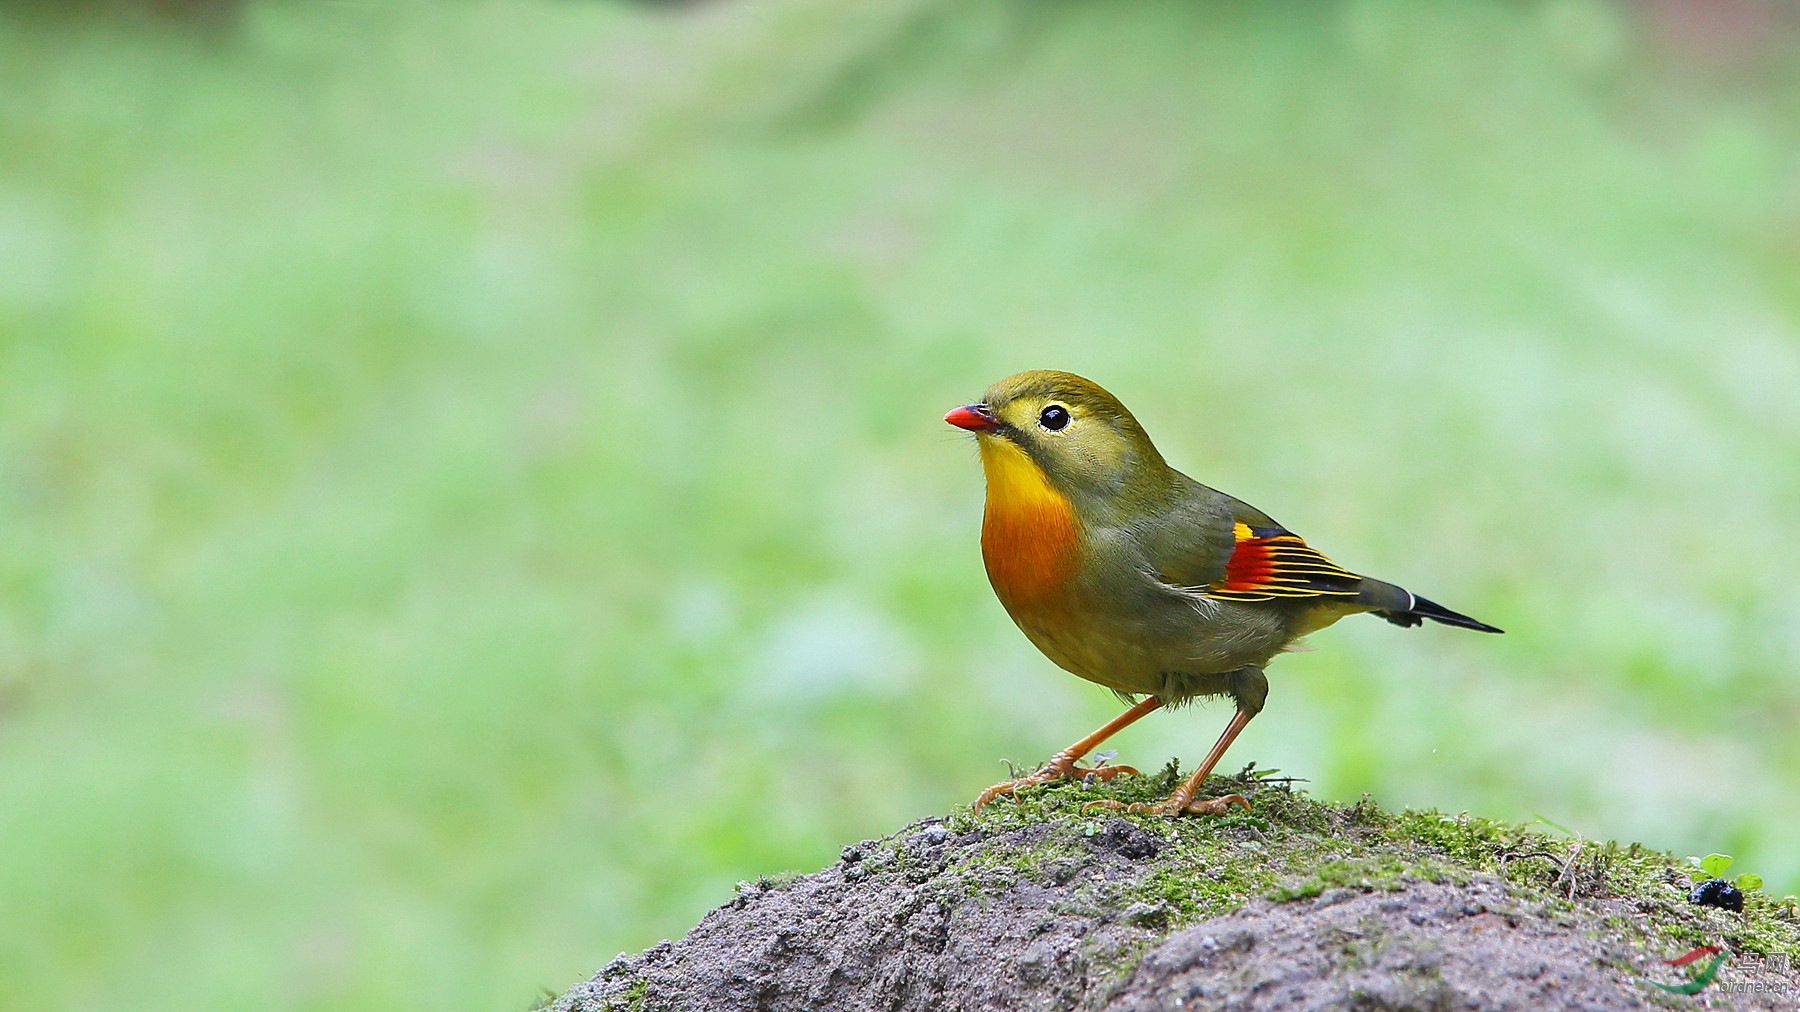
(1271, 562)
(1226, 549)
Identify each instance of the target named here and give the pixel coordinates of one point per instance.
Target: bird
(1128, 573)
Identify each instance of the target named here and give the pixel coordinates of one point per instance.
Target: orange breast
(1030, 539)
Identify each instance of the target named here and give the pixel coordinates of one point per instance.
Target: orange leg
(1183, 798)
(1062, 764)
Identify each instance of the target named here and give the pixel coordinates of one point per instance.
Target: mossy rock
(1039, 902)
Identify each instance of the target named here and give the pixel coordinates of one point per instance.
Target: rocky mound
(1296, 905)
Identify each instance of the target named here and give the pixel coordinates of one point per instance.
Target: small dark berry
(1716, 892)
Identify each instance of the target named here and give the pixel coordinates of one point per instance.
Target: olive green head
(1084, 440)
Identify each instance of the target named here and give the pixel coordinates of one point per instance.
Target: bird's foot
(1056, 769)
(1174, 805)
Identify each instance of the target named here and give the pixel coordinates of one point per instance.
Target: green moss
(1362, 874)
(1290, 847)
(779, 880)
(632, 999)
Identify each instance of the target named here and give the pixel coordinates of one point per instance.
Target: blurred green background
(472, 486)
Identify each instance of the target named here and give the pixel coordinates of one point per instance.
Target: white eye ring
(1054, 417)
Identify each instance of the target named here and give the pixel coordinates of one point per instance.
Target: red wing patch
(1269, 563)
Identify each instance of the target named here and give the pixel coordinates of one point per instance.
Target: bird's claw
(1104, 774)
(1052, 773)
(1174, 806)
(1217, 806)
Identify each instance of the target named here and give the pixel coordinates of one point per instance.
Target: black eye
(1054, 417)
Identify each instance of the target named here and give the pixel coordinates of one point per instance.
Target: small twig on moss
(1568, 868)
(1511, 855)
(1249, 778)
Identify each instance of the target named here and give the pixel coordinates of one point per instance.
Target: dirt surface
(1424, 947)
(1055, 909)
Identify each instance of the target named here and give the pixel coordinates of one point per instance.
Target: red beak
(974, 417)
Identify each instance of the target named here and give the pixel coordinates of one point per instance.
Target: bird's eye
(1054, 417)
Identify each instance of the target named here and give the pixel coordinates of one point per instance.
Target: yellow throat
(1030, 539)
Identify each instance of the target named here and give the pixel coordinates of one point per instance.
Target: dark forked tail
(1402, 607)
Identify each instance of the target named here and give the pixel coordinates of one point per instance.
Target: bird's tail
(1402, 607)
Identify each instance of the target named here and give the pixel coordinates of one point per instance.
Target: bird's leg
(1062, 764)
(1250, 688)
(1183, 798)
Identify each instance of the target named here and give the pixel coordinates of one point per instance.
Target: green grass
(471, 485)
